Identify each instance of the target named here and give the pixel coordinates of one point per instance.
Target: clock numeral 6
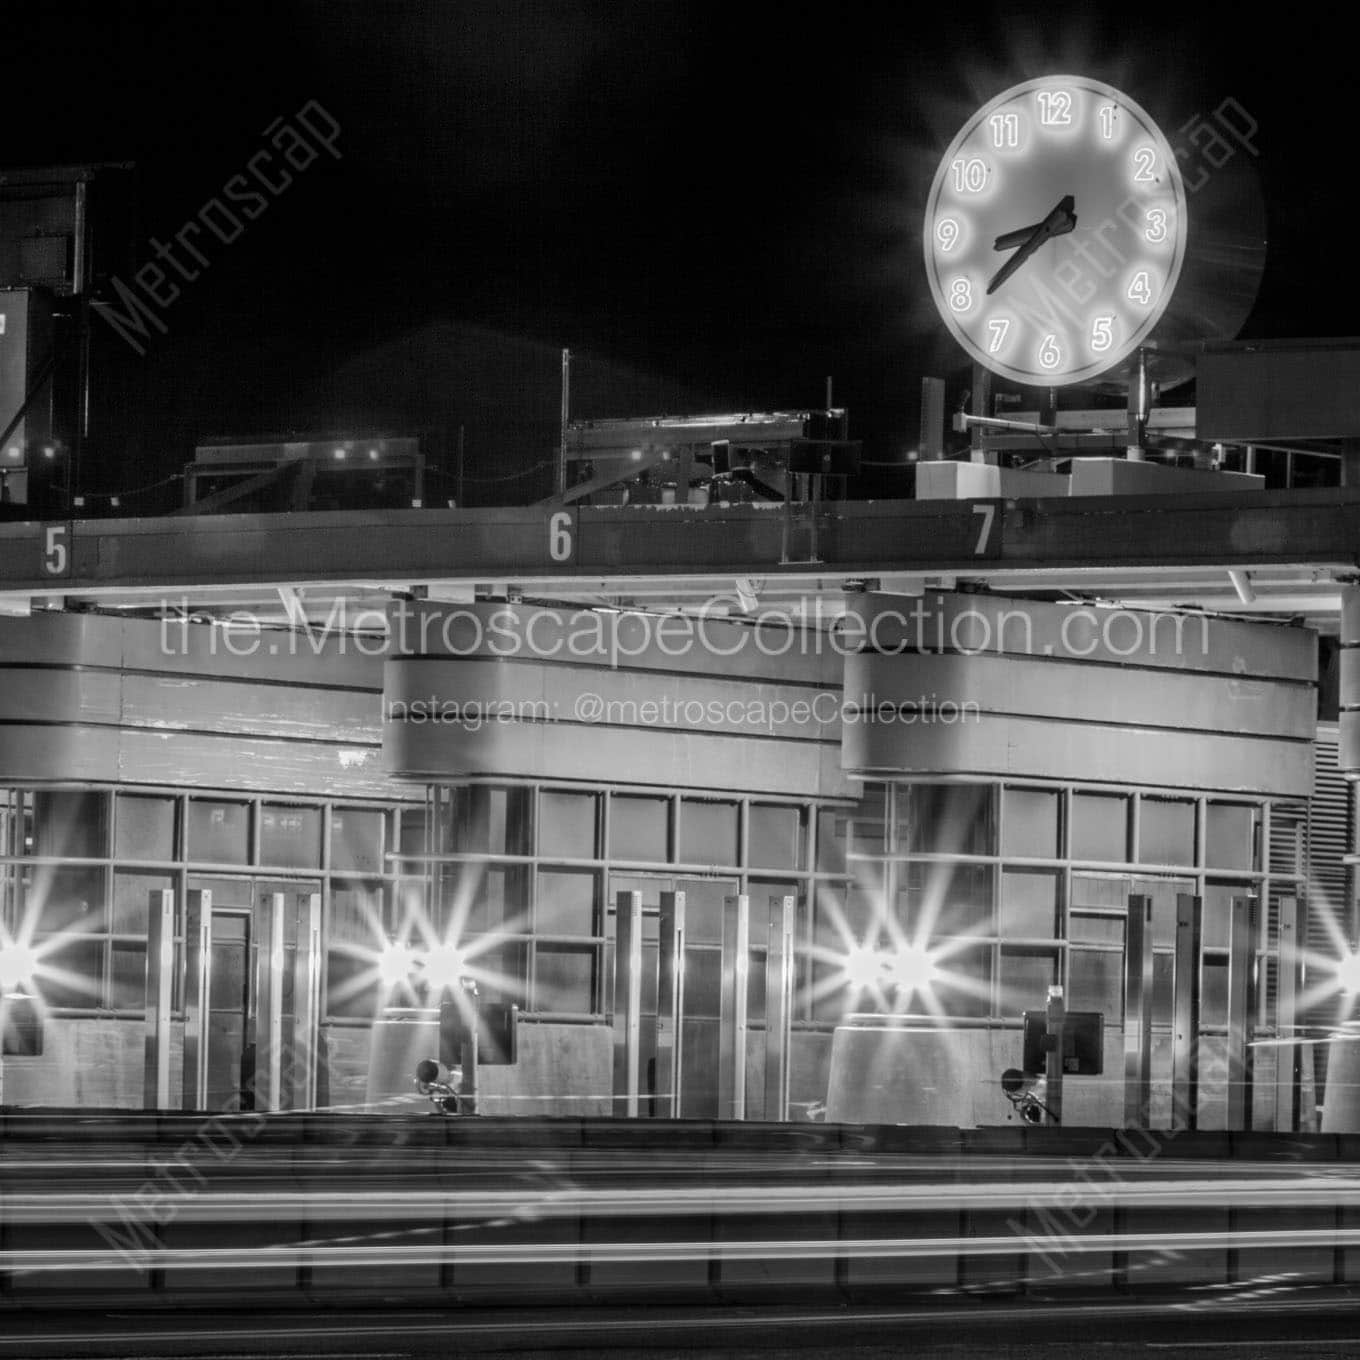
(961, 295)
(1102, 333)
(1050, 356)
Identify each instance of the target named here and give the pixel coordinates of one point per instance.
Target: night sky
(716, 206)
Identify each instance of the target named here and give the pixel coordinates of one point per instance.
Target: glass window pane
(1029, 823)
(775, 837)
(566, 825)
(833, 829)
(869, 822)
(502, 974)
(708, 832)
(351, 986)
(1029, 903)
(964, 983)
(1097, 929)
(567, 902)
(68, 899)
(290, 837)
(145, 828)
(131, 899)
(71, 824)
(1166, 831)
(1100, 827)
(947, 899)
(219, 833)
(565, 979)
(127, 985)
(1230, 836)
(489, 897)
(356, 841)
(704, 900)
(226, 892)
(703, 982)
(945, 819)
(491, 820)
(638, 828)
(73, 974)
(1026, 976)
(1096, 983)
(1213, 1004)
(755, 987)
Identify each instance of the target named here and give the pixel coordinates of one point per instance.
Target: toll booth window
(357, 841)
(1029, 823)
(144, 828)
(1030, 903)
(71, 824)
(567, 825)
(708, 832)
(1100, 828)
(1231, 833)
(290, 836)
(219, 833)
(775, 839)
(638, 828)
(1166, 831)
(567, 902)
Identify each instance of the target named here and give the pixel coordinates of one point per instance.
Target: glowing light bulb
(395, 964)
(863, 967)
(913, 968)
(1348, 974)
(444, 965)
(18, 963)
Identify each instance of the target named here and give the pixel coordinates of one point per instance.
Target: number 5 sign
(56, 549)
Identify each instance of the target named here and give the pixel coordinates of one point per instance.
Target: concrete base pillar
(1341, 1101)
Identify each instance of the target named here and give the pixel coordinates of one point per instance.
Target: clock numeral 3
(1156, 226)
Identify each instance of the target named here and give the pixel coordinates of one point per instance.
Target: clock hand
(1058, 223)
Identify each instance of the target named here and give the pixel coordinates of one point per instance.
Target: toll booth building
(725, 867)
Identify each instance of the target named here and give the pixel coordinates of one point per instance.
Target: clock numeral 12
(1055, 108)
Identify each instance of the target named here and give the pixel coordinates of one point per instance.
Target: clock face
(1055, 230)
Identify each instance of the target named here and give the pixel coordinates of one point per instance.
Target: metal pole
(160, 965)
(197, 994)
(304, 1050)
(1286, 1002)
(778, 1007)
(1138, 409)
(1241, 968)
(670, 1003)
(1138, 1012)
(265, 1030)
(1055, 1022)
(736, 961)
(628, 993)
(981, 402)
(560, 481)
(1185, 1013)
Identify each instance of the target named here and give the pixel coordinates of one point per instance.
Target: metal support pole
(1138, 409)
(670, 1003)
(981, 402)
(1286, 1005)
(1241, 976)
(736, 962)
(265, 1030)
(160, 976)
(304, 1051)
(778, 1007)
(197, 994)
(931, 442)
(628, 996)
(1055, 1022)
(1138, 1013)
(560, 477)
(1185, 1013)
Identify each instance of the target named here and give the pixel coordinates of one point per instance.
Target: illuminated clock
(1055, 230)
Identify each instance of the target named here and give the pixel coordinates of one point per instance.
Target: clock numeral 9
(997, 329)
(947, 233)
(1102, 333)
(970, 176)
(1050, 356)
(1156, 226)
(1144, 165)
(1055, 108)
(1140, 288)
(1005, 129)
(961, 295)
(1107, 117)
